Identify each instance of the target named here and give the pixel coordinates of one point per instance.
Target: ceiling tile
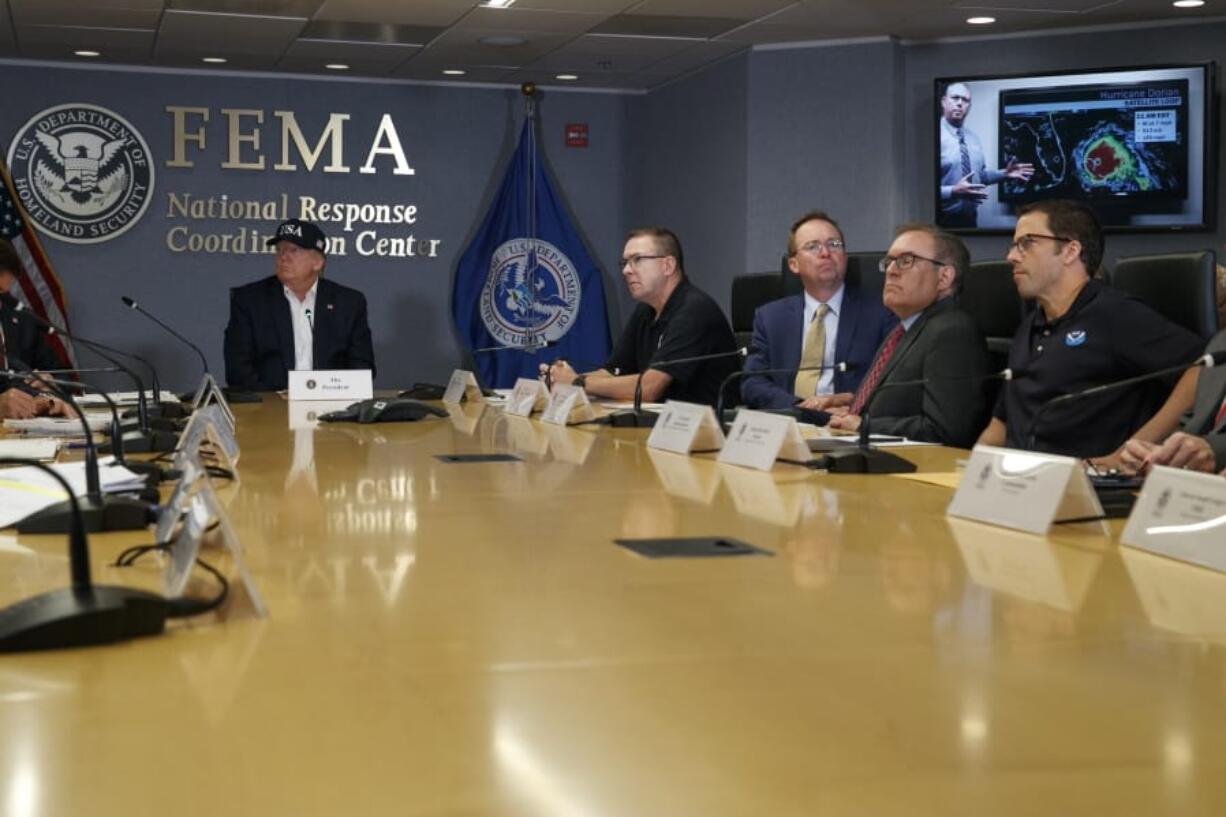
(558, 22)
(428, 71)
(464, 47)
(195, 33)
(651, 25)
(588, 6)
(740, 9)
(416, 12)
(8, 45)
(324, 51)
(384, 33)
(259, 8)
(593, 52)
(696, 56)
(101, 13)
(605, 79)
(124, 44)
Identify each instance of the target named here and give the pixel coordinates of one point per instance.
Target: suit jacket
(944, 344)
(25, 340)
(777, 340)
(259, 341)
(1210, 391)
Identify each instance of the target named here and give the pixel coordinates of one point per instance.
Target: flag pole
(528, 90)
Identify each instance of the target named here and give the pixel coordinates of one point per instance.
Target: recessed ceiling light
(568, 77)
(981, 21)
(337, 66)
(502, 40)
(214, 60)
(84, 53)
(495, 4)
(453, 72)
(1188, 4)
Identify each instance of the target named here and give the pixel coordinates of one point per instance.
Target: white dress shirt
(825, 381)
(302, 316)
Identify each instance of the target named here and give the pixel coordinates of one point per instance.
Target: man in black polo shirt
(673, 319)
(1082, 333)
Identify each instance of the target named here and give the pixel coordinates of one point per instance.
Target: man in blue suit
(295, 319)
(829, 323)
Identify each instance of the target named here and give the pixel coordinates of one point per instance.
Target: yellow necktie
(813, 354)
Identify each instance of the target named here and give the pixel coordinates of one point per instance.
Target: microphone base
(633, 419)
(867, 461)
(111, 513)
(150, 442)
(148, 470)
(165, 411)
(102, 614)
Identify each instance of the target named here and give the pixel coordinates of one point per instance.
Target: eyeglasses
(1023, 243)
(905, 261)
(635, 260)
(832, 246)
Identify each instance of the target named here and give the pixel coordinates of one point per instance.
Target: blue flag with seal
(526, 280)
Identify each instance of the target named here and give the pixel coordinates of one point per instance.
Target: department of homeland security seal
(83, 173)
(531, 293)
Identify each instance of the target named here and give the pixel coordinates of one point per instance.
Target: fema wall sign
(83, 173)
(531, 294)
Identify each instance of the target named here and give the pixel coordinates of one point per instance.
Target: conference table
(450, 637)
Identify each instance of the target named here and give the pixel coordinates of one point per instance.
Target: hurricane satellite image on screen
(1097, 141)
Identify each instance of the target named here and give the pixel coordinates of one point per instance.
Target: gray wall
(1109, 49)
(727, 157)
(457, 139)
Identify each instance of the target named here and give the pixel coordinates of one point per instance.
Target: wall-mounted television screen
(1138, 144)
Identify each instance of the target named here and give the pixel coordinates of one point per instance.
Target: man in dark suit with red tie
(935, 341)
(829, 323)
(295, 319)
(1200, 444)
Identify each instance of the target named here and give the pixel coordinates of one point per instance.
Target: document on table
(30, 448)
(60, 426)
(124, 398)
(25, 490)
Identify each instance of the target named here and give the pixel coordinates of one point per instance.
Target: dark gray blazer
(946, 346)
(1210, 391)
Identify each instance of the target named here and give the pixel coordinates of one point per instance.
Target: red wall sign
(576, 134)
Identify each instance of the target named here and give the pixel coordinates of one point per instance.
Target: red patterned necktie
(1221, 414)
(874, 374)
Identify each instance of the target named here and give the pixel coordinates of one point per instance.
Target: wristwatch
(580, 381)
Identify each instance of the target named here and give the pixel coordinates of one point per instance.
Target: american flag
(37, 284)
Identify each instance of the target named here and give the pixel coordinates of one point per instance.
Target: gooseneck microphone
(85, 613)
(791, 410)
(864, 459)
(102, 512)
(1202, 362)
(132, 304)
(148, 440)
(637, 417)
(527, 347)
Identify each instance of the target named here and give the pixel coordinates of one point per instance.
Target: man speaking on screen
(964, 174)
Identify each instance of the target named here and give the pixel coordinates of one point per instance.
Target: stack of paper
(30, 448)
(123, 398)
(26, 490)
(60, 426)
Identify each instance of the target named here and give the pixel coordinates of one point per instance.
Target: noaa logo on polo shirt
(531, 294)
(82, 172)
(1075, 338)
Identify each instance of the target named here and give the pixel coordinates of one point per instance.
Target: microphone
(864, 459)
(792, 411)
(638, 418)
(102, 512)
(204, 363)
(83, 614)
(1204, 361)
(147, 440)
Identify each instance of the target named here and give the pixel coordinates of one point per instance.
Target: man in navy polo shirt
(1082, 333)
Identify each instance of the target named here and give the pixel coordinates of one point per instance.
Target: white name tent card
(757, 439)
(567, 404)
(207, 424)
(1181, 514)
(331, 384)
(684, 427)
(528, 396)
(462, 386)
(209, 393)
(1023, 490)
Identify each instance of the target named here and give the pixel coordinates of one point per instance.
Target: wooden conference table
(466, 639)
